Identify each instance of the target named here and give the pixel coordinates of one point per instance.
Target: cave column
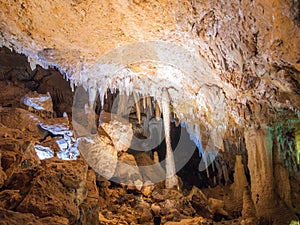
(171, 178)
(259, 148)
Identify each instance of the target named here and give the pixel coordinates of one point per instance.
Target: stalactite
(137, 107)
(144, 103)
(146, 123)
(92, 92)
(171, 178)
(157, 111)
(206, 165)
(92, 96)
(122, 106)
(149, 105)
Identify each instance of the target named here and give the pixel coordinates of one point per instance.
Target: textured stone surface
(259, 145)
(194, 221)
(258, 56)
(240, 180)
(118, 129)
(38, 101)
(127, 172)
(49, 195)
(15, 218)
(38, 191)
(101, 155)
(22, 120)
(246, 74)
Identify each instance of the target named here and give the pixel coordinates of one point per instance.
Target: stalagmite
(137, 106)
(240, 180)
(157, 111)
(171, 178)
(248, 211)
(155, 157)
(259, 148)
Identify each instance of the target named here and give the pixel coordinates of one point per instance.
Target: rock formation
(227, 72)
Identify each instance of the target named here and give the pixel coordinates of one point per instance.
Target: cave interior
(149, 112)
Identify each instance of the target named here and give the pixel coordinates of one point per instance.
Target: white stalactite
(157, 111)
(149, 104)
(92, 92)
(171, 178)
(92, 96)
(144, 103)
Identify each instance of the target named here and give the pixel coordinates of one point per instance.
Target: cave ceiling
(223, 62)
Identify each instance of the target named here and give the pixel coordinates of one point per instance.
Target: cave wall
(285, 163)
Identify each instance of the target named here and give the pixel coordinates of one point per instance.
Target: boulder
(119, 130)
(58, 188)
(22, 120)
(216, 206)
(145, 214)
(127, 172)
(100, 153)
(40, 102)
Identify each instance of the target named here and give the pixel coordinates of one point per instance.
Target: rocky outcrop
(51, 81)
(56, 188)
(51, 188)
(32, 190)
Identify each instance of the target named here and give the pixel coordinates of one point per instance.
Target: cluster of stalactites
(161, 107)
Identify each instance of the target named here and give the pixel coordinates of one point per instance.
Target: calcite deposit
(221, 77)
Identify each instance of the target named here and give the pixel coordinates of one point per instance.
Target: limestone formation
(240, 180)
(226, 72)
(259, 145)
(171, 178)
(254, 57)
